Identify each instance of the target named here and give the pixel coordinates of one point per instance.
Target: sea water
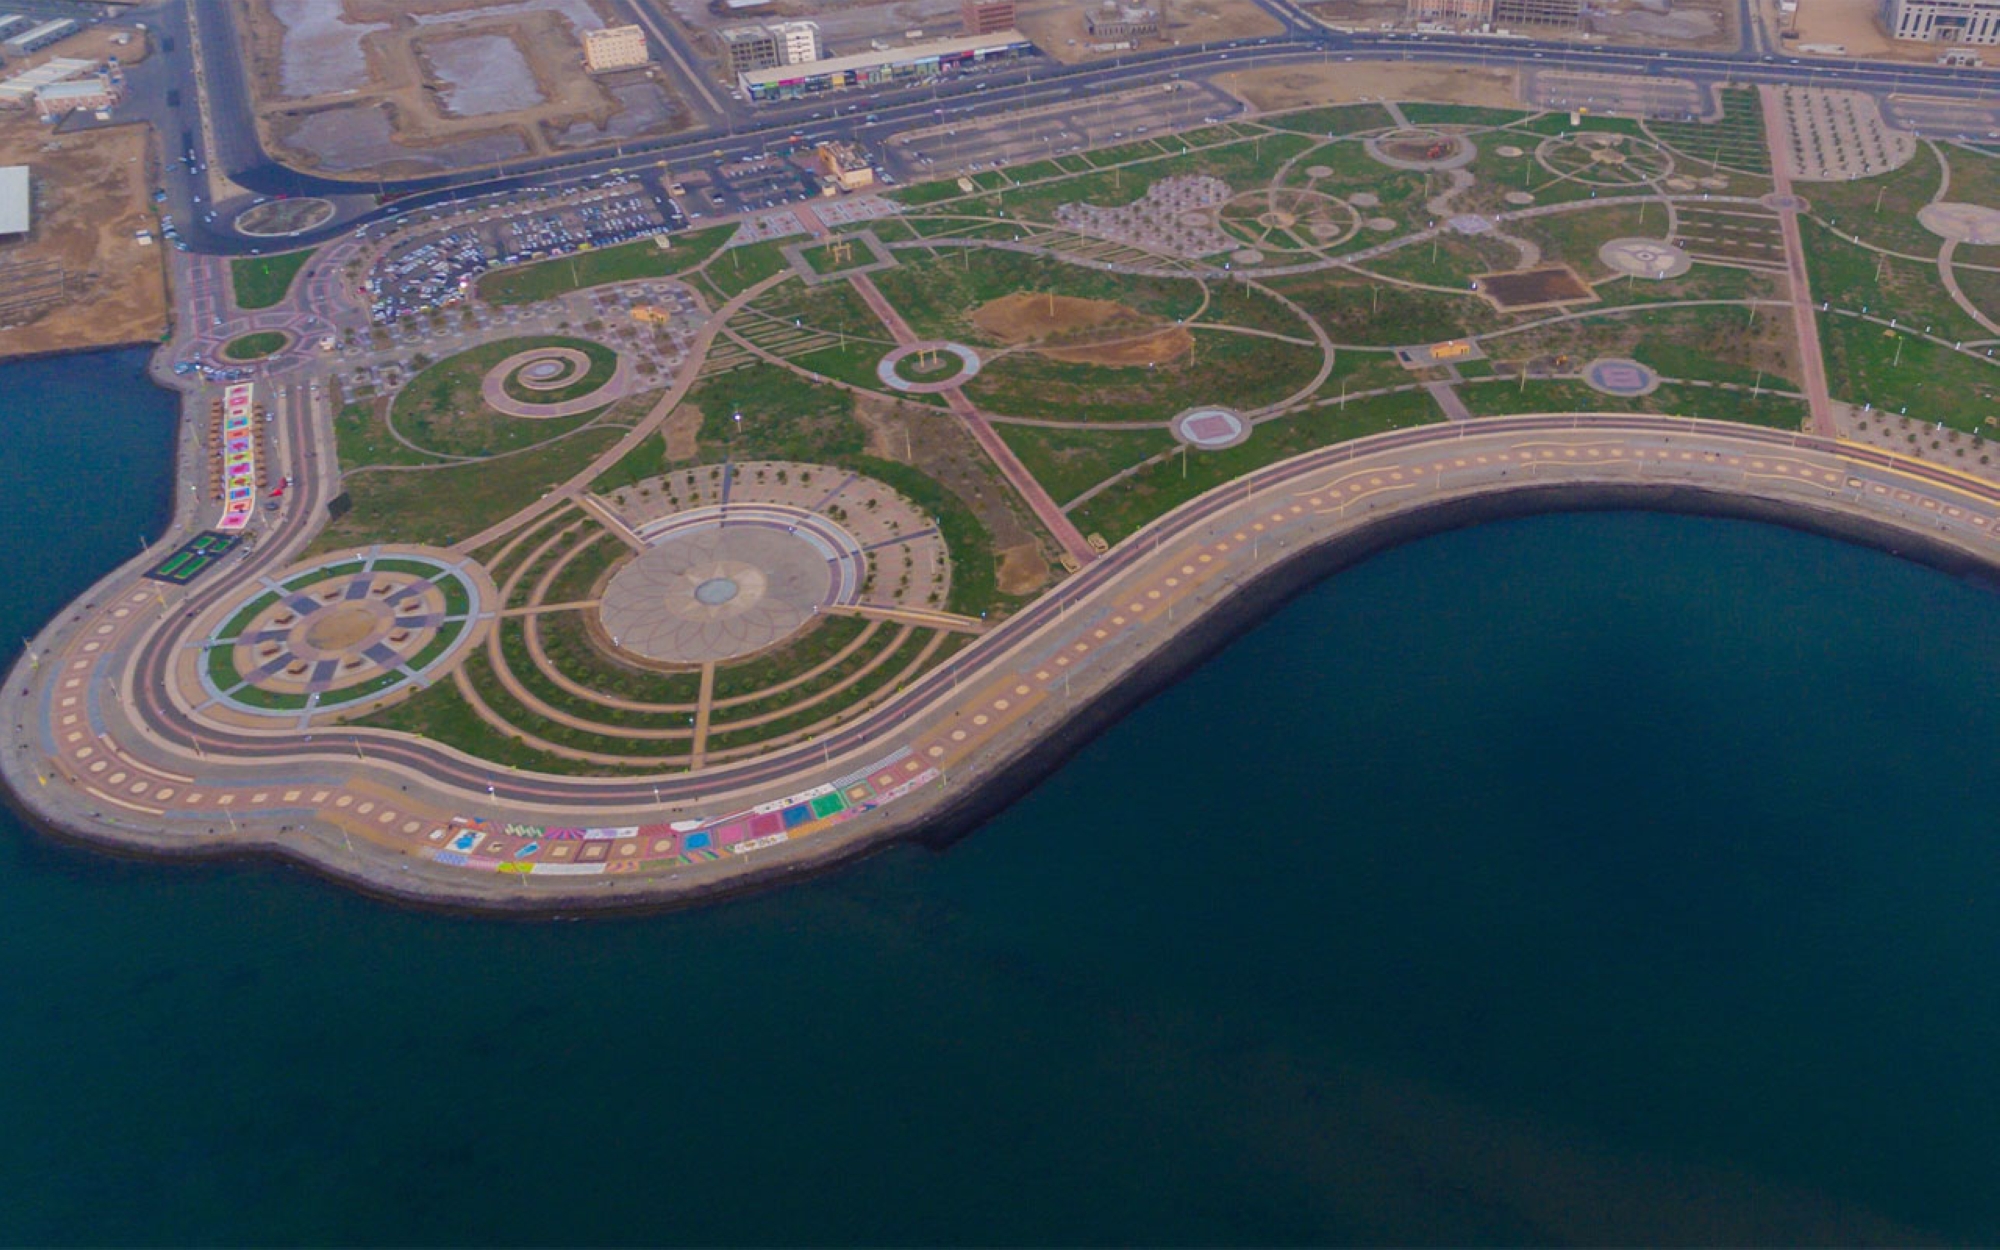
(1583, 878)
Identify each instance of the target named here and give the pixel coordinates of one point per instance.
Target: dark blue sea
(1596, 878)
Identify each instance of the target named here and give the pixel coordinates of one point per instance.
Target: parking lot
(748, 186)
(435, 268)
(967, 137)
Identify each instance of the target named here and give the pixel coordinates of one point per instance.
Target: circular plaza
(339, 633)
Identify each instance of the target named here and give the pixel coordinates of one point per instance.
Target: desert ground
(367, 87)
(91, 199)
(1291, 87)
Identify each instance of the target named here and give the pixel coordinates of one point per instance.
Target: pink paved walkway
(1805, 324)
(1011, 467)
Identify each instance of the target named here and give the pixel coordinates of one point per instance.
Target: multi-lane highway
(730, 130)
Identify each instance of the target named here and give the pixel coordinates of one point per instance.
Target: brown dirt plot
(91, 199)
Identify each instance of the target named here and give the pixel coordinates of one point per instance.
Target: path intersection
(639, 576)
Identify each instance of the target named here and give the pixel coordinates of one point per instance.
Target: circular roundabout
(1961, 223)
(340, 632)
(716, 584)
(1645, 258)
(277, 219)
(1210, 428)
(926, 368)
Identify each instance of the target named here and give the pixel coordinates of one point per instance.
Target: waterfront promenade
(99, 750)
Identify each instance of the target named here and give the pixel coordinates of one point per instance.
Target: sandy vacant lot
(1083, 331)
(1056, 26)
(1858, 25)
(1290, 87)
(91, 196)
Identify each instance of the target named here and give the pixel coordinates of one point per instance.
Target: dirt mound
(1147, 347)
(1081, 331)
(1029, 315)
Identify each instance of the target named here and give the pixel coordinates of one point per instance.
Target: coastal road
(391, 809)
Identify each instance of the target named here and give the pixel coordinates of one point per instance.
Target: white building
(16, 203)
(798, 42)
(1943, 21)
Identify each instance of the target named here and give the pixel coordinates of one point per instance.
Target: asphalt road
(735, 130)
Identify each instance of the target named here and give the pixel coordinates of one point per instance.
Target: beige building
(747, 49)
(1944, 21)
(848, 169)
(1126, 21)
(984, 17)
(615, 47)
(798, 42)
(1452, 12)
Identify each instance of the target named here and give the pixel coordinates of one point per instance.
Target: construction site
(89, 272)
(369, 88)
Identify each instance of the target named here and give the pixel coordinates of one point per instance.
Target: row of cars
(438, 270)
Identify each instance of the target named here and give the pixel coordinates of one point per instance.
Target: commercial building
(869, 69)
(36, 38)
(845, 166)
(16, 201)
(1121, 21)
(615, 47)
(986, 17)
(95, 92)
(10, 23)
(19, 91)
(1943, 21)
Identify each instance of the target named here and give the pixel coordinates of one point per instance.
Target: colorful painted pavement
(239, 458)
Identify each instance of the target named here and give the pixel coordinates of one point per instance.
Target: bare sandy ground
(1056, 26)
(1857, 24)
(1299, 86)
(91, 192)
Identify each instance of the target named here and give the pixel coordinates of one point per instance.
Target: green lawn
(1070, 462)
(254, 346)
(1925, 381)
(641, 258)
(1243, 371)
(1160, 488)
(442, 411)
(261, 281)
(439, 507)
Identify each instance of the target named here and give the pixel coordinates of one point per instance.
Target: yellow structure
(615, 47)
(845, 166)
(1450, 351)
(648, 314)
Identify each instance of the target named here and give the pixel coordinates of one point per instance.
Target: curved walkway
(409, 816)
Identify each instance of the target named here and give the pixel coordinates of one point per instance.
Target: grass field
(442, 506)
(624, 262)
(255, 346)
(1160, 488)
(261, 281)
(441, 410)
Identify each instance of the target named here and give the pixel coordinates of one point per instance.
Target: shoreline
(941, 816)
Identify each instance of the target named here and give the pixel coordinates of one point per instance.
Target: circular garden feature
(551, 378)
(1419, 147)
(256, 346)
(343, 631)
(925, 368)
